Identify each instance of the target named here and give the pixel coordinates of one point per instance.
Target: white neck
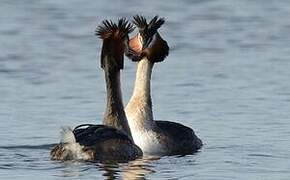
(143, 78)
(139, 109)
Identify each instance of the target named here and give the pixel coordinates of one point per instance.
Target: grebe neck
(115, 115)
(140, 103)
(142, 86)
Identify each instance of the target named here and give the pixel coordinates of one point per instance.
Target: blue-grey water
(227, 77)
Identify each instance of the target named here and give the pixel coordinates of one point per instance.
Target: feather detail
(110, 29)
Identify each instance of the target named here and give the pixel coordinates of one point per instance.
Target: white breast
(141, 126)
(148, 142)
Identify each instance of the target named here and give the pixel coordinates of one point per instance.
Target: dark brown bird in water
(112, 140)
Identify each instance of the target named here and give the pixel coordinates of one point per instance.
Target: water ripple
(44, 146)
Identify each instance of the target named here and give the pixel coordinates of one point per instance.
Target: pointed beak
(136, 44)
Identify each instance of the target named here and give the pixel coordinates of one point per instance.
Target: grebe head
(115, 42)
(148, 42)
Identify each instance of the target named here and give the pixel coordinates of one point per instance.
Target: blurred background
(227, 77)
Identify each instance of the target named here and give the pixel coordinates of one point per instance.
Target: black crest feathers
(109, 29)
(154, 47)
(140, 22)
(145, 28)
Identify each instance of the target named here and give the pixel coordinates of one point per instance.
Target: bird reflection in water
(137, 169)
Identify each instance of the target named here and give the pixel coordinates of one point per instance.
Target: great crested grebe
(113, 140)
(153, 137)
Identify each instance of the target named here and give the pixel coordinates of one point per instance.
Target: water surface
(227, 77)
